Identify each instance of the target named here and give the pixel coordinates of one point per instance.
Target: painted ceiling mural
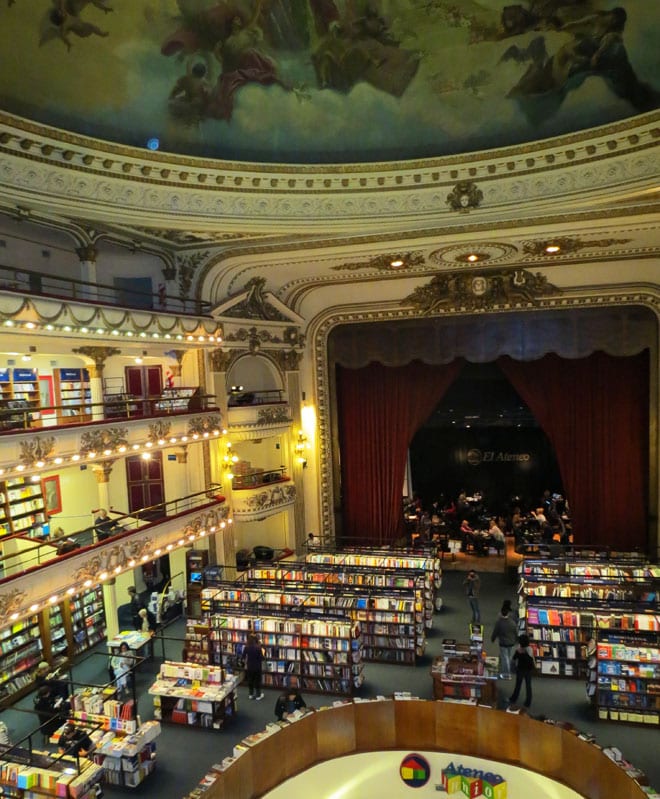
(328, 81)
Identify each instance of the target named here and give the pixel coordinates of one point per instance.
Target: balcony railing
(239, 398)
(18, 415)
(33, 552)
(26, 281)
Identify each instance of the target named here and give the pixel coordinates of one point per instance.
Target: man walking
(472, 583)
(505, 632)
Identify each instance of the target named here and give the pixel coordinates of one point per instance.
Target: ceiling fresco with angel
(328, 81)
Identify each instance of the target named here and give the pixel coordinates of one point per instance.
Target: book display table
(25, 773)
(194, 695)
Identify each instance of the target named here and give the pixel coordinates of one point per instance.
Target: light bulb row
(91, 455)
(189, 538)
(101, 331)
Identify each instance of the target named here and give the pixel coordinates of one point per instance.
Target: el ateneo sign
(475, 457)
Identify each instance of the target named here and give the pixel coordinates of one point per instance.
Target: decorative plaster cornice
(63, 170)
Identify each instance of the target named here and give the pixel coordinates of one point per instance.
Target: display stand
(464, 675)
(28, 774)
(195, 696)
(197, 645)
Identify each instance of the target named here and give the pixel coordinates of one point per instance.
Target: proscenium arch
(620, 324)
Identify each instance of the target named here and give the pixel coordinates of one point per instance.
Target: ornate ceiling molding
(61, 171)
(469, 290)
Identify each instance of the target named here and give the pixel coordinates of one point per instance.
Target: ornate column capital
(87, 253)
(99, 355)
(220, 360)
(102, 471)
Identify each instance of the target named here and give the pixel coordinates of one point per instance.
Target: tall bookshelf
(197, 644)
(22, 506)
(20, 652)
(315, 655)
(628, 688)
(566, 603)
(25, 386)
(87, 618)
(74, 393)
(377, 560)
(389, 619)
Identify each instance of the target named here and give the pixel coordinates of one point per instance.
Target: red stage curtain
(380, 409)
(595, 412)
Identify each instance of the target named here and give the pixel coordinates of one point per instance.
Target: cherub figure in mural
(359, 46)
(244, 60)
(64, 19)
(189, 97)
(596, 48)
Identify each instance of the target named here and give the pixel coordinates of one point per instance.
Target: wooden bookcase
(87, 619)
(389, 618)
(197, 644)
(74, 395)
(628, 667)
(22, 506)
(566, 603)
(322, 656)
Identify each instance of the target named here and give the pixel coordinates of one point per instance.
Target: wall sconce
(228, 461)
(302, 445)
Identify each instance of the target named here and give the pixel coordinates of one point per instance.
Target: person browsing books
(523, 661)
(254, 658)
(287, 703)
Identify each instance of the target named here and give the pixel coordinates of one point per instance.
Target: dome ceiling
(328, 81)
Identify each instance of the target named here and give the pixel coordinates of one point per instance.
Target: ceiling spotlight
(396, 263)
(472, 258)
(552, 248)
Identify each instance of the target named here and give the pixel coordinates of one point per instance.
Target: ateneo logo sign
(476, 457)
(472, 782)
(415, 770)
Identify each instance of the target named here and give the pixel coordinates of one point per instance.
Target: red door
(144, 381)
(144, 480)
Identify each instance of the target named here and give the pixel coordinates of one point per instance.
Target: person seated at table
(287, 703)
(467, 535)
(74, 741)
(105, 526)
(496, 535)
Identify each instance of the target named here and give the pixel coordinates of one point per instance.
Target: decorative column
(110, 604)
(99, 355)
(87, 256)
(288, 361)
(102, 473)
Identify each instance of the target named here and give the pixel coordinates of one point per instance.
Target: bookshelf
(22, 506)
(25, 386)
(27, 774)
(321, 656)
(389, 619)
(20, 653)
(87, 619)
(566, 603)
(74, 393)
(386, 559)
(58, 643)
(628, 687)
(194, 695)
(197, 643)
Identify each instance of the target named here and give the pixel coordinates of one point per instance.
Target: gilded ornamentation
(255, 338)
(11, 602)
(287, 360)
(567, 245)
(293, 337)
(221, 360)
(108, 558)
(464, 196)
(87, 253)
(159, 430)
(102, 470)
(271, 498)
(385, 263)
(273, 415)
(463, 253)
(477, 290)
(255, 305)
(204, 424)
(98, 354)
(186, 267)
(100, 440)
(37, 449)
